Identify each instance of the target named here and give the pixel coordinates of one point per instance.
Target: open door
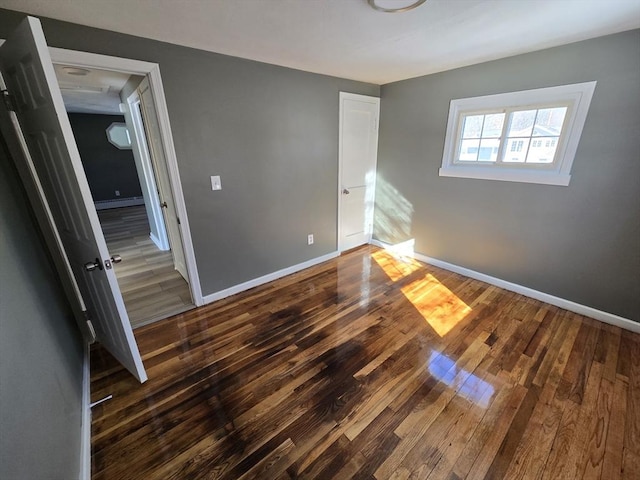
(154, 142)
(42, 128)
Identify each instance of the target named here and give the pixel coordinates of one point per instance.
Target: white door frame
(152, 71)
(351, 96)
(146, 174)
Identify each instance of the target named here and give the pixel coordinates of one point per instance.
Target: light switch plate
(216, 183)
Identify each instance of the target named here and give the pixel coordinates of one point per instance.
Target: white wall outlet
(310, 239)
(216, 183)
(117, 193)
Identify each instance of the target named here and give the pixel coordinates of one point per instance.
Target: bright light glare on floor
(467, 385)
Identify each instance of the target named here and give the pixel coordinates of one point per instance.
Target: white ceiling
(96, 92)
(347, 38)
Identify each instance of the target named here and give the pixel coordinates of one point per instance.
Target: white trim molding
(270, 277)
(85, 434)
(585, 310)
(152, 71)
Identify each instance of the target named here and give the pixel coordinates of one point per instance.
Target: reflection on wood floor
(370, 367)
(152, 289)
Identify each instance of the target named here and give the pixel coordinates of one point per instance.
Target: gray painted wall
(270, 132)
(40, 350)
(580, 242)
(107, 167)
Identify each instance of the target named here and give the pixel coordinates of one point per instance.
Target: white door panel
(358, 121)
(358, 154)
(354, 214)
(354, 217)
(28, 72)
(146, 175)
(154, 142)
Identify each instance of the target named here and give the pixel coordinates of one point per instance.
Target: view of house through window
(531, 136)
(528, 136)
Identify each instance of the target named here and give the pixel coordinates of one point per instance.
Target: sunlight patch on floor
(438, 305)
(396, 266)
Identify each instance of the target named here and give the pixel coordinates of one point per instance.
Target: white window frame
(577, 98)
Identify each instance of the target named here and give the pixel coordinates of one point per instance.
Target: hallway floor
(152, 289)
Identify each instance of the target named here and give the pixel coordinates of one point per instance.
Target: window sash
(503, 138)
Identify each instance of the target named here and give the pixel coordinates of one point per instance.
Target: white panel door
(28, 73)
(154, 142)
(358, 151)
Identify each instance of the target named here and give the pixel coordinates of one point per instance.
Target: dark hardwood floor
(370, 367)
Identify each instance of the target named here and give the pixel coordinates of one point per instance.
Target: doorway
(152, 273)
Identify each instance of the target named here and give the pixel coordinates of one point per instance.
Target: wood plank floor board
(632, 425)
(371, 367)
(480, 434)
(614, 447)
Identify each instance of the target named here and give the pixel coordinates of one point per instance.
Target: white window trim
(577, 96)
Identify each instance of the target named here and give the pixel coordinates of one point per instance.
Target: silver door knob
(116, 258)
(345, 191)
(91, 266)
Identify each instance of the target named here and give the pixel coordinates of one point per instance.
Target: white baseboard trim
(591, 312)
(267, 278)
(118, 203)
(85, 441)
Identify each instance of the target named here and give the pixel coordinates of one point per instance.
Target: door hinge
(9, 101)
(92, 331)
(178, 219)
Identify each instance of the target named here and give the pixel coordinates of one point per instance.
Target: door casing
(146, 175)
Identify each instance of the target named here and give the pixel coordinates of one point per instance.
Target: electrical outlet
(117, 193)
(216, 183)
(310, 239)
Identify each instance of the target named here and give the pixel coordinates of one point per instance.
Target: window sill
(543, 178)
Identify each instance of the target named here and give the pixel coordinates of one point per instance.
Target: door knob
(116, 258)
(163, 205)
(345, 191)
(91, 266)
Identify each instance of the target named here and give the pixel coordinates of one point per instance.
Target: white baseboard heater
(118, 203)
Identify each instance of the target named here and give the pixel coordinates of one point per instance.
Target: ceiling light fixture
(79, 72)
(386, 5)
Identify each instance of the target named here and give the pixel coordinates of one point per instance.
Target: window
(118, 136)
(529, 136)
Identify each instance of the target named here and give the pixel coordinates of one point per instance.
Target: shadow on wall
(393, 214)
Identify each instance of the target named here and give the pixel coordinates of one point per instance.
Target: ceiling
(349, 39)
(90, 90)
